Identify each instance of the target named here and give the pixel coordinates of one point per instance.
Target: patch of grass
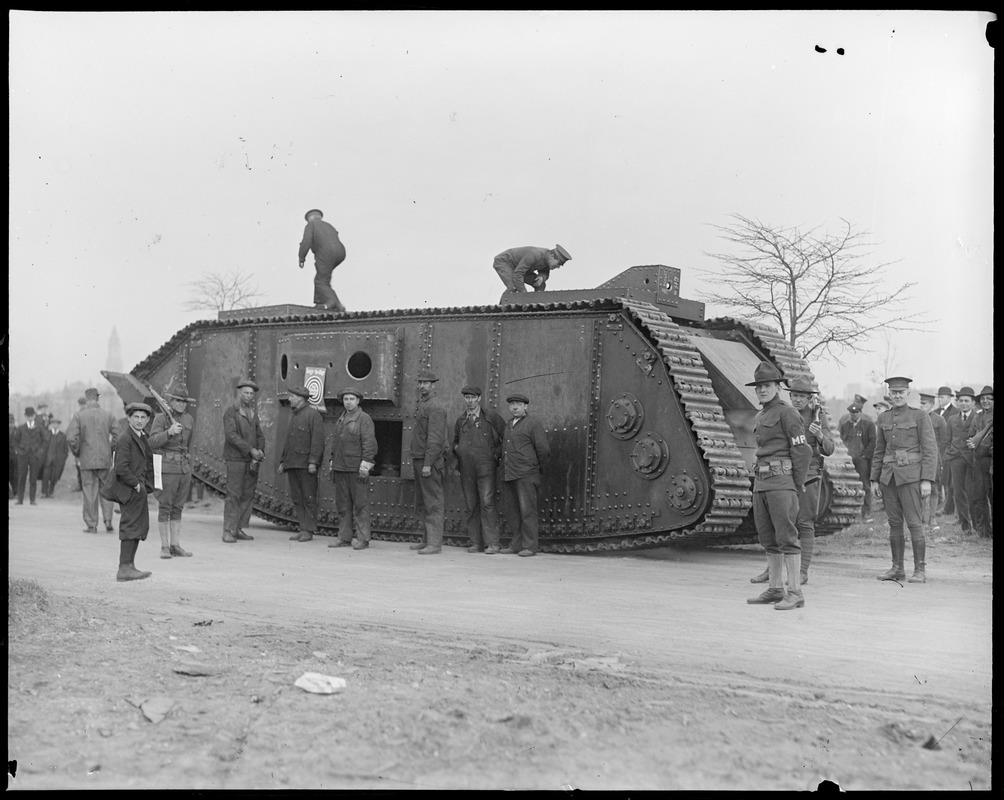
(27, 602)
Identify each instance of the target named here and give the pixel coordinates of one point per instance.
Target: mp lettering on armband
(797, 440)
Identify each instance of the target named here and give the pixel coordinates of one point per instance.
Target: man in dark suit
(55, 458)
(30, 443)
(958, 456)
(946, 410)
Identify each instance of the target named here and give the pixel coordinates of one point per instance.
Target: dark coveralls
(859, 439)
(525, 453)
(521, 266)
(321, 238)
(782, 464)
(477, 444)
(175, 465)
(353, 440)
(240, 434)
(304, 446)
(428, 449)
(31, 445)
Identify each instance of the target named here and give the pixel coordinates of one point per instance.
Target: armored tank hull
(643, 401)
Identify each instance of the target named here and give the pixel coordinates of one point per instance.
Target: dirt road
(471, 671)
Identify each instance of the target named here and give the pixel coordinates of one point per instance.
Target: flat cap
(765, 373)
(469, 389)
(965, 391)
(802, 385)
(562, 253)
(302, 391)
(132, 408)
(91, 393)
(247, 382)
(518, 398)
(180, 392)
(313, 211)
(427, 375)
(355, 390)
(854, 408)
(986, 390)
(898, 382)
(29, 411)
(946, 390)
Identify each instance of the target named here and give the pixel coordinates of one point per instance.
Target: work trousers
(303, 493)
(505, 271)
(958, 468)
(808, 508)
(323, 293)
(353, 504)
(241, 485)
(903, 502)
(50, 477)
(172, 497)
(477, 480)
(864, 468)
(91, 481)
(976, 491)
(775, 514)
(429, 501)
(519, 504)
(28, 467)
(985, 465)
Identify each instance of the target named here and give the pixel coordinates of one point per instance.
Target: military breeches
(353, 504)
(478, 484)
(303, 493)
(903, 502)
(958, 468)
(29, 465)
(775, 514)
(91, 481)
(241, 485)
(430, 500)
(173, 496)
(520, 499)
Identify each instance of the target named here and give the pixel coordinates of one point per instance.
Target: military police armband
(797, 440)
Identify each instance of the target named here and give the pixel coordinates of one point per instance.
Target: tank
(643, 400)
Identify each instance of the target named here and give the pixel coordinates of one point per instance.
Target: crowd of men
(38, 452)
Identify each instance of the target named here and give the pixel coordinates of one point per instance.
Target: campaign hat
(803, 385)
(986, 390)
(765, 373)
(469, 389)
(518, 398)
(965, 391)
(427, 375)
(946, 390)
(132, 408)
(313, 211)
(350, 390)
(898, 382)
(562, 253)
(302, 391)
(247, 382)
(180, 392)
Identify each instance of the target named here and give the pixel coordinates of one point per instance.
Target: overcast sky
(147, 149)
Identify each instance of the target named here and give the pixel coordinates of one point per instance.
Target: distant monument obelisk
(114, 362)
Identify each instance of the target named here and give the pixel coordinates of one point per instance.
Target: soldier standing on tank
(244, 451)
(428, 457)
(353, 452)
(170, 439)
(477, 444)
(817, 434)
(322, 239)
(525, 454)
(299, 458)
(942, 437)
(782, 465)
(906, 458)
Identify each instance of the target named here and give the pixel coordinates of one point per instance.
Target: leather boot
(305, 536)
(176, 548)
(808, 543)
(774, 593)
(763, 577)
(418, 546)
(896, 573)
(165, 540)
(919, 552)
(127, 572)
(793, 597)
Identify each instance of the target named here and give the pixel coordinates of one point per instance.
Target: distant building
(114, 362)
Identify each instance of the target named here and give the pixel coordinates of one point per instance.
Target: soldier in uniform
(353, 451)
(55, 458)
(299, 458)
(941, 436)
(322, 239)
(428, 457)
(525, 454)
(782, 465)
(857, 432)
(817, 434)
(171, 439)
(906, 458)
(30, 444)
(477, 444)
(90, 439)
(244, 451)
(958, 455)
(520, 267)
(980, 444)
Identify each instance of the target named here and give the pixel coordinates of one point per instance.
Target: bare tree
(820, 289)
(888, 361)
(222, 292)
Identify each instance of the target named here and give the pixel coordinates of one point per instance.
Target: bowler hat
(518, 398)
(765, 373)
(248, 382)
(947, 390)
(427, 375)
(898, 383)
(803, 385)
(92, 393)
(350, 390)
(562, 253)
(180, 392)
(132, 408)
(854, 408)
(965, 391)
(29, 411)
(986, 390)
(302, 391)
(475, 390)
(312, 211)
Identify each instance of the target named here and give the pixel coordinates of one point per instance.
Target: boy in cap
(428, 457)
(135, 479)
(353, 451)
(906, 458)
(477, 444)
(322, 239)
(170, 438)
(244, 451)
(520, 267)
(525, 454)
(299, 458)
